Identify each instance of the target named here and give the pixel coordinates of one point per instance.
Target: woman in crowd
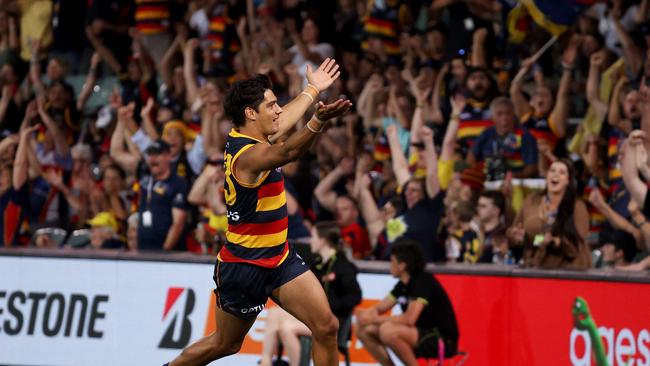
(552, 225)
(339, 279)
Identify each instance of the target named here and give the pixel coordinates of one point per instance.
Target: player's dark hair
(408, 251)
(329, 231)
(243, 94)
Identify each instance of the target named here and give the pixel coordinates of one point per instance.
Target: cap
(188, 133)
(157, 147)
(104, 219)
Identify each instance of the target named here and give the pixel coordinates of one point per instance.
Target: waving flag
(553, 15)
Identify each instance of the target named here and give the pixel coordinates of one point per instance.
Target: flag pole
(545, 47)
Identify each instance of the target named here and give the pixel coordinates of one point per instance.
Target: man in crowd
(491, 209)
(505, 147)
(162, 206)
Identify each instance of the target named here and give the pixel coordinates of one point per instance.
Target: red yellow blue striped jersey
(384, 24)
(474, 119)
(222, 35)
(541, 128)
(257, 213)
(152, 16)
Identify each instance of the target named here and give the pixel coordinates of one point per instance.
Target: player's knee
(327, 327)
(223, 348)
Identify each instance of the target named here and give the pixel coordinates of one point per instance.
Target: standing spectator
(14, 193)
(163, 203)
(423, 198)
(153, 20)
(307, 50)
(353, 234)
(477, 113)
(491, 211)
(505, 147)
(345, 209)
(427, 313)
(552, 225)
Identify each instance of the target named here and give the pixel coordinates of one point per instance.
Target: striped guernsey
(257, 213)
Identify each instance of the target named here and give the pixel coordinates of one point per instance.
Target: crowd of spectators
(461, 138)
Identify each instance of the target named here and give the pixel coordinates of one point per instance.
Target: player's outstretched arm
(318, 80)
(262, 157)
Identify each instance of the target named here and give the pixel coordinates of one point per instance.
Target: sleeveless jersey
(257, 213)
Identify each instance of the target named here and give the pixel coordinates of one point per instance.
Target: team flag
(553, 15)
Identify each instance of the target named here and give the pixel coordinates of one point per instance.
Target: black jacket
(339, 279)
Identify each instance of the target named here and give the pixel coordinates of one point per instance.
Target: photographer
(505, 146)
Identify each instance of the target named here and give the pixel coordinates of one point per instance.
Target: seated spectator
(104, 232)
(338, 277)
(49, 237)
(428, 315)
(162, 206)
(463, 243)
(618, 248)
(553, 225)
(505, 147)
(491, 211)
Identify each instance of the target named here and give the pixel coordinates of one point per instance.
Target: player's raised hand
(325, 112)
(324, 75)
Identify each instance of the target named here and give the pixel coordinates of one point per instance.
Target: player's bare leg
(225, 341)
(304, 298)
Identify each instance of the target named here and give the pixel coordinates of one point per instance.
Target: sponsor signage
(118, 312)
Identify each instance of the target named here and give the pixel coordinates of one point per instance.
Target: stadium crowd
(463, 138)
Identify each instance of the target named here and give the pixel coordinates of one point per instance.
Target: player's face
(268, 114)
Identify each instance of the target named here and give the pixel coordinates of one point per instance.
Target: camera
(496, 168)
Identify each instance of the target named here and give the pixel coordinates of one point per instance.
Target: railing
(381, 267)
